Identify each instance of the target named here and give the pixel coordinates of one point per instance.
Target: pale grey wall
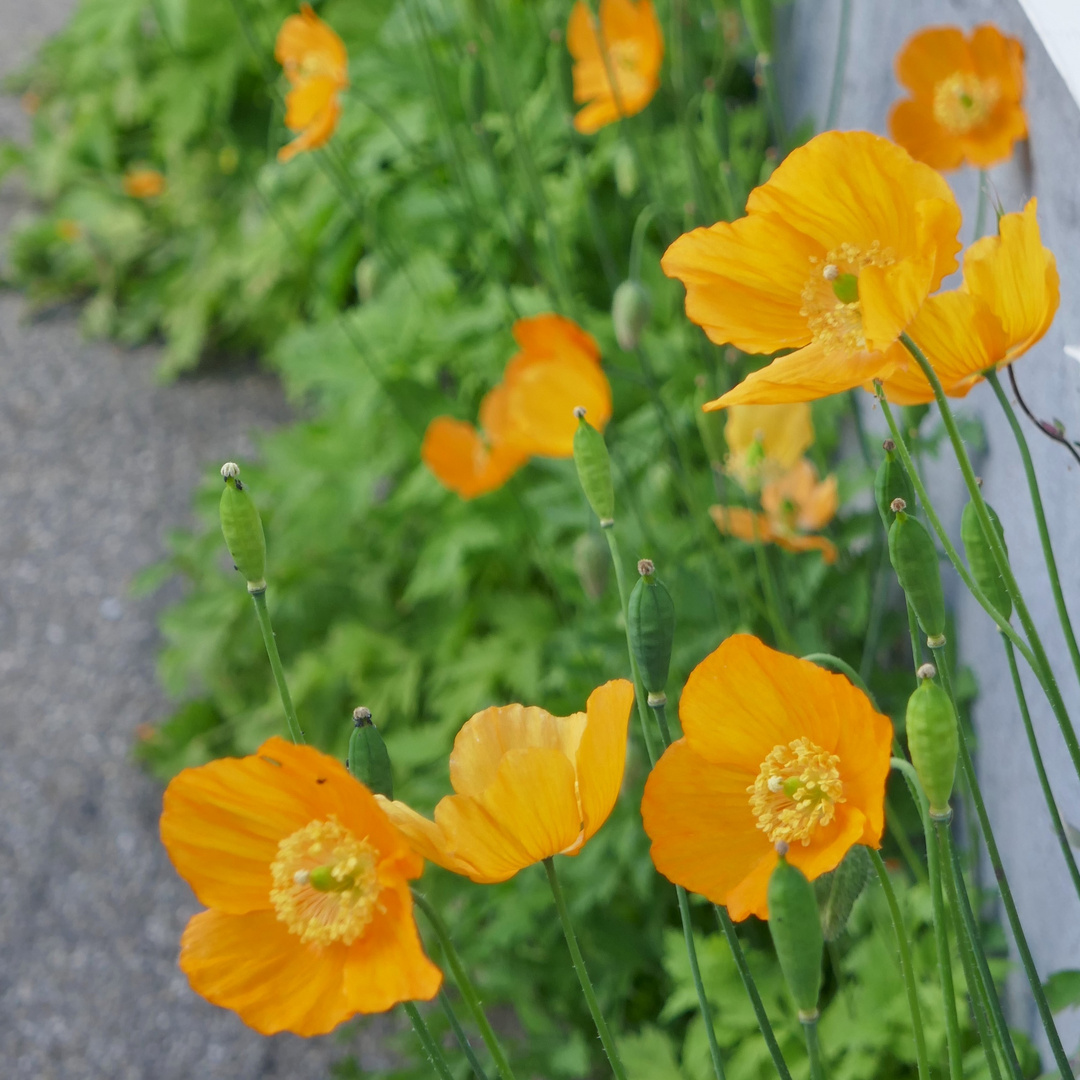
(1048, 167)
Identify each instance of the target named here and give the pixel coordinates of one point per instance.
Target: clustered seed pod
(915, 560)
(650, 626)
(594, 469)
(242, 528)
(368, 759)
(984, 567)
(933, 740)
(837, 891)
(631, 307)
(796, 932)
(892, 482)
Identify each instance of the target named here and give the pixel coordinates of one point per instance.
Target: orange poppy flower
(774, 749)
(143, 183)
(530, 413)
(1007, 302)
(764, 441)
(317, 67)
(836, 254)
(528, 785)
(795, 504)
(629, 32)
(965, 103)
(306, 880)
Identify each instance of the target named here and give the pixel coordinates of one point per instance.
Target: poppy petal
(601, 757)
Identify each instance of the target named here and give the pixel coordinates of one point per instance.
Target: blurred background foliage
(379, 277)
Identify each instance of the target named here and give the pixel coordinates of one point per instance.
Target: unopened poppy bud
(368, 759)
(915, 560)
(837, 891)
(892, 482)
(592, 561)
(758, 16)
(242, 528)
(650, 626)
(796, 932)
(933, 742)
(984, 567)
(631, 307)
(594, 469)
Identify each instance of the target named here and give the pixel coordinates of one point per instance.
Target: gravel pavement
(97, 463)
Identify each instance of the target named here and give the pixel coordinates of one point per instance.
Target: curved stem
(296, 733)
(1051, 431)
(813, 1049)
(699, 986)
(843, 41)
(907, 968)
(462, 1038)
(582, 972)
(427, 1040)
(1040, 519)
(828, 660)
(465, 985)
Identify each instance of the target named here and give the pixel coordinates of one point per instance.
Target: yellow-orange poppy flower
(795, 505)
(965, 103)
(143, 183)
(528, 785)
(1007, 302)
(306, 881)
(774, 749)
(530, 413)
(630, 33)
(765, 441)
(835, 256)
(317, 67)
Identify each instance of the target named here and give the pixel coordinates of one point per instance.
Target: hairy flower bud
(933, 742)
(242, 528)
(594, 469)
(796, 932)
(915, 560)
(368, 759)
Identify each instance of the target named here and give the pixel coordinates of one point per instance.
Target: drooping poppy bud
(933, 740)
(242, 528)
(796, 932)
(594, 470)
(631, 307)
(369, 761)
(915, 560)
(650, 626)
(837, 891)
(892, 482)
(984, 567)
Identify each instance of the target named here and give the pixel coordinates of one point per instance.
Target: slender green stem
(699, 986)
(659, 709)
(582, 973)
(466, 986)
(971, 945)
(813, 1049)
(296, 733)
(916, 639)
(747, 976)
(1040, 519)
(767, 76)
(980, 206)
(427, 1040)
(843, 42)
(828, 660)
(944, 955)
(772, 596)
(967, 768)
(907, 968)
(461, 1036)
(1040, 768)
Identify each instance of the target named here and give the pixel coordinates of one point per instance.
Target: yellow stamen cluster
(325, 883)
(796, 790)
(836, 324)
(963, 101)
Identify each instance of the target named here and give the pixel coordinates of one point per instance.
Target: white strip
(1057, 22)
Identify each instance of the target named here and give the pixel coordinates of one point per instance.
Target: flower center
(964, 101)
(796, 790)
(325, 883)
(830, 297)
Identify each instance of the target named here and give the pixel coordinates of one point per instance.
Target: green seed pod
(368, 760)
(592, 561)
(242, 528)
(650, 626)
(594, 469)
(892, 482)
(758, 16)
(915, 561)
(984, 568)
(837, 891)
(631, 307)
(796, 932)
(933, 740)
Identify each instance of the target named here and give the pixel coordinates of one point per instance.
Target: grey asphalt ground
(97, 463)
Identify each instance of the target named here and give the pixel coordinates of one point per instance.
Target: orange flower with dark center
(143, 183)
(306, 880)
(529, 414)
(629, 33)
(1007, 302)
(317, 67)
(835, 256)
(528, 785)
(774, 749)
(795, 504)
(965, 103)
